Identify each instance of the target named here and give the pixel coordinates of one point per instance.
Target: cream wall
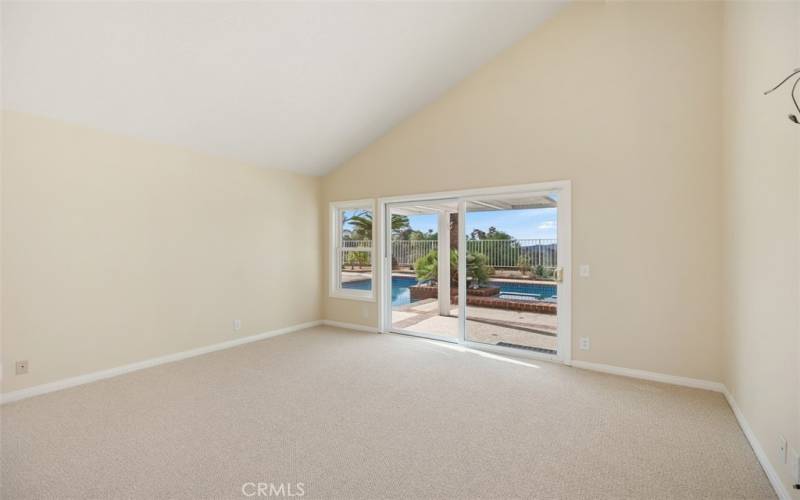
(761, 167)
(622, 99)
(117, 250)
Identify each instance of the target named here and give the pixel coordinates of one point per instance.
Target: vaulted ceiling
(295, 86)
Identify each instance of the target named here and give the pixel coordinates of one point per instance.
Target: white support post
(444, 263)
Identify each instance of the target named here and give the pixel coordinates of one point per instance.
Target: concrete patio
(484, 325)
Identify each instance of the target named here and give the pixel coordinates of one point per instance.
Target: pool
(508, 290)
(525, 291)
(401, 295)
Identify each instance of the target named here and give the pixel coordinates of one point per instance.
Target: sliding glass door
(421, 289)
(512, 271)
(485, 269)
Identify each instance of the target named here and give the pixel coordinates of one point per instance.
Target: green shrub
(524, 265)
(478, 269)
(543, 272)
(427, 267)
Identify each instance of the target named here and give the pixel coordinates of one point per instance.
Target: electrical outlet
(583, 271)
(237, 324)
(795, 465)
(584, 344)
(782, 445)
(22, 367)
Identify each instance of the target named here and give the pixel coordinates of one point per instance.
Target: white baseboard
(169, 358)
(350, 326)
(772, 474)
(769, 470)
(653, 376)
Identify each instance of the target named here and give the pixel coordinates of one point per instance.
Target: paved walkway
(484, 325)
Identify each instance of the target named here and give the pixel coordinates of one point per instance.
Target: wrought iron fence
(406, 252)
(516, 253)
(500, 253)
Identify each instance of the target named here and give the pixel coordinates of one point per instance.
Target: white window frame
(336, 250)
(564, 225)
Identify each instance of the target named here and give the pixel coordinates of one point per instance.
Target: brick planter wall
(485, 297)
(420, 292)
(540, 307)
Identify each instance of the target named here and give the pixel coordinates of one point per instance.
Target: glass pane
(424, 292)
(356, 270)
(355, 249)
(511, 256)
(356, 229)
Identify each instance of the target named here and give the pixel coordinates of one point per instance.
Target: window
(352, 264)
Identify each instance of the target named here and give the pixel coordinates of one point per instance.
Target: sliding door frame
(564, 260)
(385, 308)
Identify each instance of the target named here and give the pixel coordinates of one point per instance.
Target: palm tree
(362, 225)
(478, 269)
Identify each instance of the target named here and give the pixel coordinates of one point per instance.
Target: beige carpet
(358, 415)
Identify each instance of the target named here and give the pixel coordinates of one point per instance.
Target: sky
(534, 224)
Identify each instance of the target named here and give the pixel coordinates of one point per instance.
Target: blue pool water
(512, 291)
(525, 291)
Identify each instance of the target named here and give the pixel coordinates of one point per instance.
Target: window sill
(363, 297)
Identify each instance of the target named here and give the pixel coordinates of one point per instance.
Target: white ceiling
(295, 86)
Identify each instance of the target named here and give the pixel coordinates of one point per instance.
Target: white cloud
(548, 224)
